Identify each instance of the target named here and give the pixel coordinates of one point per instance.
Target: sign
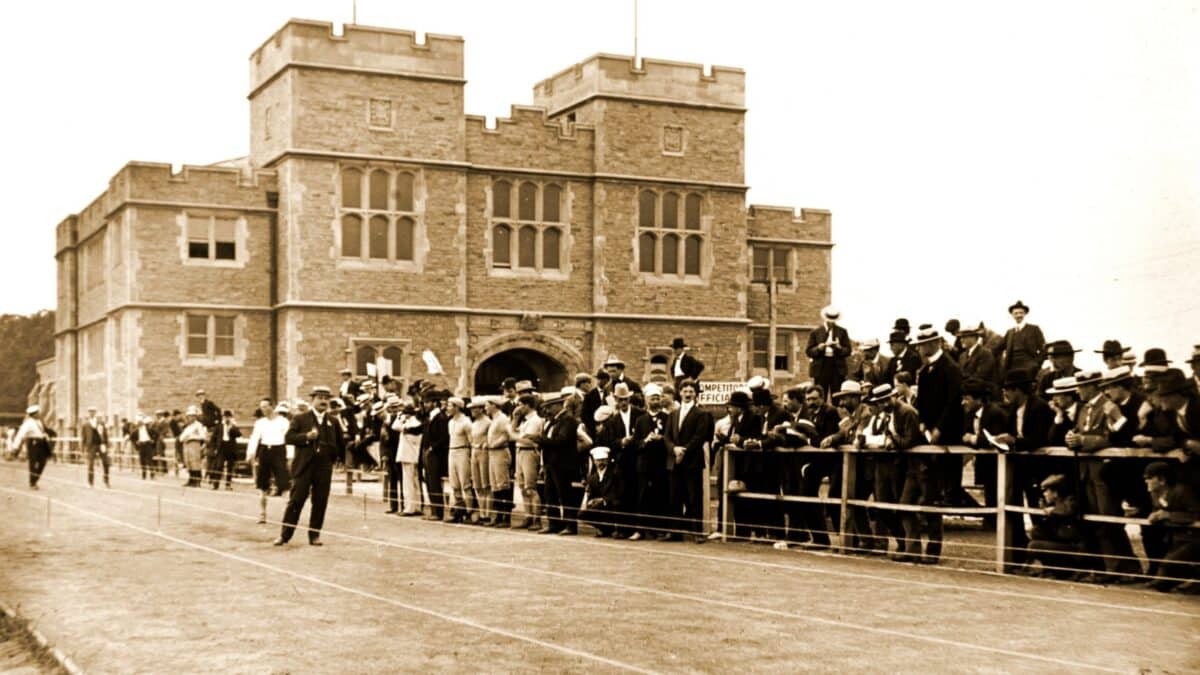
(716, 393)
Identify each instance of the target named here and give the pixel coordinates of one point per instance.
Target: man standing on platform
(1024, 344)
(828, 347)
(684, 364)
(318, 442)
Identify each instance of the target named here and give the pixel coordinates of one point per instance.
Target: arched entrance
(546, 373)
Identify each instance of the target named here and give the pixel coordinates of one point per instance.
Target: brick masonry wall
(630, 141)
(332, 115)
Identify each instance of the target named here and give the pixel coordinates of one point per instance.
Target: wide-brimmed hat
(973, 386)
(1063, 385)
(320, 390)
(1054, 482)
(881, 393)
(970, 329)
(621, 390)
(392, 401)
(1018, 305)
(1061, 348)
(362, 398)
(201, 392)
(477, 402)
(1086, 377)
(757, 382)
(612, 360)
(898, 336)
(678, 343)
(1173, 381)
(345, 371)
(603, 413)
(1117, 375)
(927, 333)
(282, 407)
(336, 403)
(523, 386)
(33, 410)
(1016, 378)
(831, 313)
(1113, 348)
(868, 345)
(192, 411)
(377, 408)
(848, 388)
(1155, 360)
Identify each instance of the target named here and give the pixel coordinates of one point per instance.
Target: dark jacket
(910, 363)
(979, 364)
(994, 420)
(1024, 349)
(612, 436)
(1036, 425)
(691, 433)
(436, 440)
(691, 366)
(609, 489)
(939, 399)
(651, 455)
(824, 369)
(326, 447)
(560, 441)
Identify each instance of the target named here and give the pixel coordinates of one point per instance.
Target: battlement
(668, 81)
(784, 222)
(529, 137)
(366, 48)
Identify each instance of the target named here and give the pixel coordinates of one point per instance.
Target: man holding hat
(1024, 344)
(602, 494)
(1062, 364)
(93, 435)
(828, 347)
(684, 364)
(36, 438)
(318, 442)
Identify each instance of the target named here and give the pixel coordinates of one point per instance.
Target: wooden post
(1002, 538)
(48, 502)
(849, 463)
(706, 517)
(364, 506)
(725, 501)
(158, 513)
(350, 479)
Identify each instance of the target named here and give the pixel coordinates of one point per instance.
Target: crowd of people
(629, 460)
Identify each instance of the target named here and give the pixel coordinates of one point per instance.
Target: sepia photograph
(368, 336)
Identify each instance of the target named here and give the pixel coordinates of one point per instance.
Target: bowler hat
(976, 387)
(1113, 348)
(678, 343)
(1173, 381)
(508, 383)
(738, 399)
(1018, 305)
(762, 397)
(901, 325)
(1060, 348)
(898, 336)
(1016, 378)
(1155, 360)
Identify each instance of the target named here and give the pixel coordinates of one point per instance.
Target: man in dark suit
(828, 347)
(975, 360)
(653, 485)
(210, 417)
(1024, 345)
(435, 450)
(93, 435)
(873, 367)
(934, 480)
(227, 451)
(683, 364)
(983, 417)
(615, 368)
(904, 358)
(1062, 364)
(593, 398)
(389, 444)
(689, 429)
(602, 494)
(617, 434)
(1029, 423)
(318, 441)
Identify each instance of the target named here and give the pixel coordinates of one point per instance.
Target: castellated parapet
(617, 75)
(528, 137)
(382, 50)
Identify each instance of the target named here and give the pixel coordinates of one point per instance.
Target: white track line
(639, 589)
(355, 591)
(648, 550)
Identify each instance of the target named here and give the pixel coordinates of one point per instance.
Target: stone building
(372, 218)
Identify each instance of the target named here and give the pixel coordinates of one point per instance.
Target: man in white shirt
(37, 443)
(268, 445)
(526, 437)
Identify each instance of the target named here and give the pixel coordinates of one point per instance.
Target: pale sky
(971, 153)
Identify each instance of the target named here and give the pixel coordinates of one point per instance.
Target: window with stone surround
(671, 236)
(364, 351)
(378, 216)
(211, 237)
(210, 337)
(528, 239)
(760, 347)
(767, 260)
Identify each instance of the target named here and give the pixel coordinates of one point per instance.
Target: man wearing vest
(318, 440)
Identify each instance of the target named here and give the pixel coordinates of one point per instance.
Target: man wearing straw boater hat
(318, 442)
(828, 347)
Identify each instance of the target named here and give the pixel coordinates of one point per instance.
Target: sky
(972, 154)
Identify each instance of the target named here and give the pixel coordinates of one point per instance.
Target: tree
(26, 340)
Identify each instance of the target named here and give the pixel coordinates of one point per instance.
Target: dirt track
(387, 594)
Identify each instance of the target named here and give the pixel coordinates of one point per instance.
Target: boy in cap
(1058, 537)
(602, 494)
(1176, 508)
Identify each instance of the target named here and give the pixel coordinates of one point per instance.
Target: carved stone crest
(531, 321)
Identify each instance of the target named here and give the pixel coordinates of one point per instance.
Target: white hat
(652, 389)
(603, 413)
(193, 411)
(600, 452)
(281, 407)
(568, 391)
(831, 313)
(33, 410)
(455, 401)
(758, 382)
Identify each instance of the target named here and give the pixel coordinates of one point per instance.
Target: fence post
(706, 492)
(849, 463)
(158, 513)
(49, 501)
(725, 503)
(349, 479)
(1001, 511)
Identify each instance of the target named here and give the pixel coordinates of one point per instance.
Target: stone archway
(547, 361)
